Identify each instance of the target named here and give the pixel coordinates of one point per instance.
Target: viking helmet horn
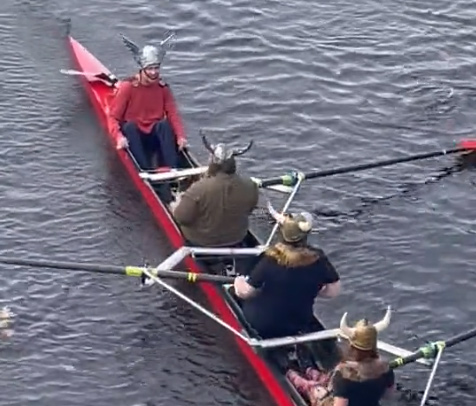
(379, 326)
(170, 35)
(132, 47)
(344, 326)
(165, 45)
(278, 217)
(241, 151)
(207, 145)
(383, 324)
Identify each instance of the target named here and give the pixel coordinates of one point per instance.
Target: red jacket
(145, 105)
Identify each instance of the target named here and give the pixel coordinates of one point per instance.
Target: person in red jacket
(144, 115)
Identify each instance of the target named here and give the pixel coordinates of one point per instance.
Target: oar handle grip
(429, 350)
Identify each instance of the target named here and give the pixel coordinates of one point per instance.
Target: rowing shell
(262, 355)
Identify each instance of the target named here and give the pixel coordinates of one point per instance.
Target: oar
(290, 180)
(118, 270)
(98, 75)
(429, 350)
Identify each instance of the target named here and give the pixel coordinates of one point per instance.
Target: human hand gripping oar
(292, 179)
(118, 270)
(432, 350)
(110, 79)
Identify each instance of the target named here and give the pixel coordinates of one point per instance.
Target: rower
(144, 114)
(362, 378)
(214, 211)
(280, 291)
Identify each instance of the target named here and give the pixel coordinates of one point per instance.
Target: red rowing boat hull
(100, 95)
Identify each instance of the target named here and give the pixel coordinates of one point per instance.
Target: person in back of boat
(362, 378)
(279, 293)
(214, 211)
(144, 116)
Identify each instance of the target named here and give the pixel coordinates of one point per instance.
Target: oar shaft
(109, 78)
(289, 180)
(74, 266)
(429, 350)
(460, 338)
(118, 270)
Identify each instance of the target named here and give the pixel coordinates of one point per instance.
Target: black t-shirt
(284, 304)
(364, 393)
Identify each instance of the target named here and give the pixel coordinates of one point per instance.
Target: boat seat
(221, 266)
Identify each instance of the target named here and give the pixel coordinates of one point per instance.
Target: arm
(330, 290)
(340, 389)
(174, 116)
(187, 209)
(332, 284)
(119, 107)
(246, 288)
(390, 378)
(242, 288)
(255, 198)
(340, 402)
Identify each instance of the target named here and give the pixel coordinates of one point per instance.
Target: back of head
(222, 157)
(228, 166)
(294, 227)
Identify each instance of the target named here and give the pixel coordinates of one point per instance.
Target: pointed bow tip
(68, 25)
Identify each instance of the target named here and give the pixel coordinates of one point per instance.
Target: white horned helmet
(363, 335)
(149, 55)
(221, 152)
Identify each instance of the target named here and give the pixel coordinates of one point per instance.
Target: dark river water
(316, 85)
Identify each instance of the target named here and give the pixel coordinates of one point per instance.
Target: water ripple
(316, 86)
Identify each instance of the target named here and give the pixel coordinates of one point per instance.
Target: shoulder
(266, 263)
(162, 83)
(133, 81)
(248, 182)
(320, 253)
(196, 190)
(347, 370)
(276, 255)
(268, 257)
(126, 84)
(263, 271)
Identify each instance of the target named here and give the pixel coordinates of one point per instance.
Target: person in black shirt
(280, 291)
(362, 378)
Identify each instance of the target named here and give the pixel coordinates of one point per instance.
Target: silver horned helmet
(221, 152)
(149, 55)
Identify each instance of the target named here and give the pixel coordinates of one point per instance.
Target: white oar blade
(173, 174)
(77, 72)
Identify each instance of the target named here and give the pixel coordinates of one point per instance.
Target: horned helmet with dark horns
(220, 153)
(363, 335)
